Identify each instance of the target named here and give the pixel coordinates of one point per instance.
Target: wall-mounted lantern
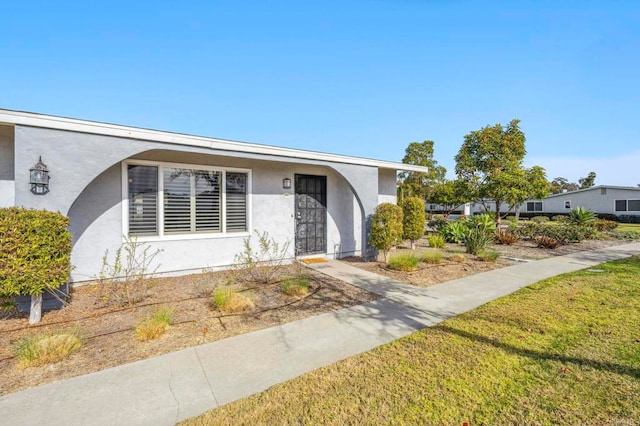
(286, 183)
(39, 178)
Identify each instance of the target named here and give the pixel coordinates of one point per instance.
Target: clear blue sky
(362, 78)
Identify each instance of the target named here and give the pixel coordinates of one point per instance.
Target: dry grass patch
(35, 350)
(155, 325)
(297, 286)
(227, 300)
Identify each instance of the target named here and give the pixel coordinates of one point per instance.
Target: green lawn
(628, 227)
(562, 351)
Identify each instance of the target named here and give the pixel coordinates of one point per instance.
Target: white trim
(160, 200)
(92, 127)
(626, 200)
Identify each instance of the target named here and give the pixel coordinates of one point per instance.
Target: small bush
(603, 225)
(458, 258)
(35, 255)
(154, 326)
(540, 219)
(404, 262)
(413, 219)
(581, 216)
(433, 257)
(262, 263)
(386, 228)
(544, 241)
(297, 286)
(481, 232)
(436, 241)
(31, 351)
(506, 237)
(225, 299)
(488, 255)
(455, 232)
(624, 235)
(437, 222)
(559, 218)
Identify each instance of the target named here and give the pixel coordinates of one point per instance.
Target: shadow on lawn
(599, 365)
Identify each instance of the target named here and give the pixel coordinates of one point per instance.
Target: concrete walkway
(172, 387)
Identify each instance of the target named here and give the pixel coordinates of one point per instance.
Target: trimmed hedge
(36, 251)
(413, 219)
(386, 227)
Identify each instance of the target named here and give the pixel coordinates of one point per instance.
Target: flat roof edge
(93, 127)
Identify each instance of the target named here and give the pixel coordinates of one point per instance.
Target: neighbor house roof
(93, 127)
(593, 188)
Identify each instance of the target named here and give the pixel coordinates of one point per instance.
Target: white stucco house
(601, 199)
(195, 198)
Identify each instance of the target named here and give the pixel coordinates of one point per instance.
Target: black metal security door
(311, 214)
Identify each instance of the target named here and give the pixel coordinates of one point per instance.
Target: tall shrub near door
(386, 228)
(35, 255)
(413, 219)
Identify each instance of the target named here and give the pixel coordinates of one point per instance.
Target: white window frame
(534, 205)
(160, 200)
(626, 205)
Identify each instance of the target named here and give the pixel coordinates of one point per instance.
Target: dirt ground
(107, 329)
(446, 270)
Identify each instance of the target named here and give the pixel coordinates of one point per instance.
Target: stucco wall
(96, 216)
(387, 186)
(7, 172)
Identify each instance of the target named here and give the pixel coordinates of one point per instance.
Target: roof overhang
(92, 127)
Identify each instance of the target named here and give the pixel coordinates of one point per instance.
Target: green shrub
(455, 232)
(404, 262)
(155, 325)
(437, 222)
(481, 232)
(559, 218)
(540, 219)
(413, 219)
(297, 286)
(629, 218)
(432, 257)
(488, 255)
(581, 216)
(436, 241)
(386, 228)
(35, 255)
(34, 350)
(625, 235)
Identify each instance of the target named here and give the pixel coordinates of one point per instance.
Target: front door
(311, 214)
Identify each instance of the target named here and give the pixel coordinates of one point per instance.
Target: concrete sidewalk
(172, 387)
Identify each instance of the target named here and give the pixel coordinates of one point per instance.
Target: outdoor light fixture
(39, 179)
(286, 183)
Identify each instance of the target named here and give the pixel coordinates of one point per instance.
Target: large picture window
(534, 206)
(627, 205)
(165, 200)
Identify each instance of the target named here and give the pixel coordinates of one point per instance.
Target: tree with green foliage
(490, 160)
(386, 228)
(449, 195)
(35, 255)
(587, 182)
(419, 184)
(413, 219)
(560, 184)
(525, 184)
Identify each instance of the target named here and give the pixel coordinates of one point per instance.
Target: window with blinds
(190, 200)
(143, 200)
(236, 187)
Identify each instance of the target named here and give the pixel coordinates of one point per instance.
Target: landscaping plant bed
(107, 329)
(427, 274)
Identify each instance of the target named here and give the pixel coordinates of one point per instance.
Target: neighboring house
(194, 198)
(602, 199)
